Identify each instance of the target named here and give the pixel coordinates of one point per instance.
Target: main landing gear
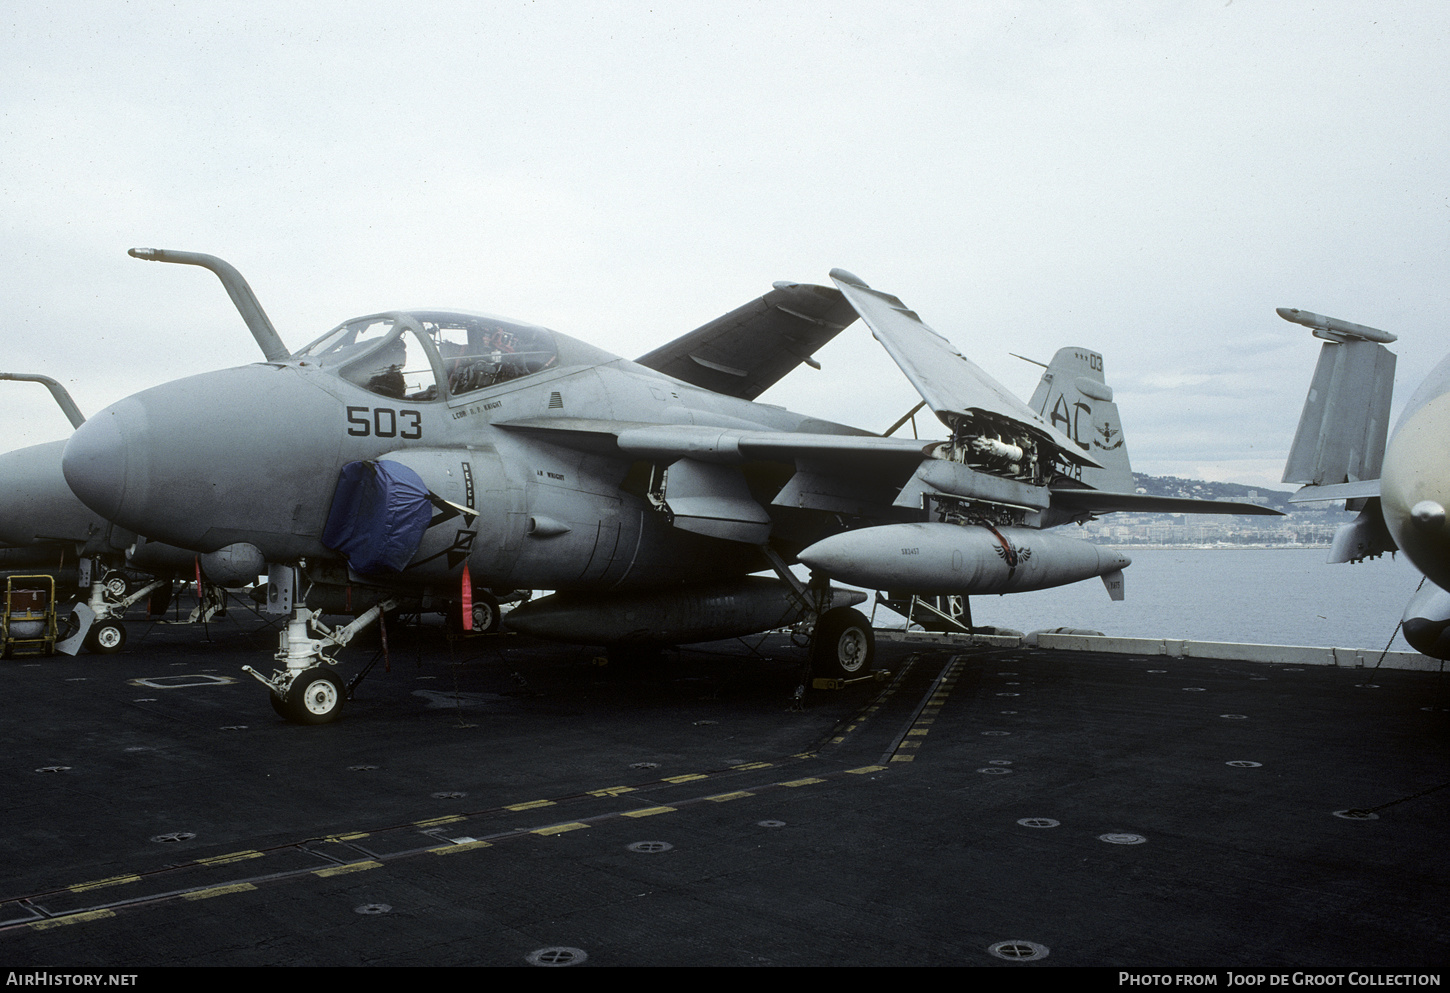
(843, 645)
(305, 690)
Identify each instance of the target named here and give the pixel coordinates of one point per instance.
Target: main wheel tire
(106, 638)
(844, 646)
(279, 704)
(485, 613)
(315, 697)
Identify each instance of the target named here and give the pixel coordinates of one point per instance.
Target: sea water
(1273, 596)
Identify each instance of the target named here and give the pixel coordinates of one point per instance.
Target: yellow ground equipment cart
(28, 624)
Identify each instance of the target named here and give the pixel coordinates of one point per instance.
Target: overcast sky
(1147, 179)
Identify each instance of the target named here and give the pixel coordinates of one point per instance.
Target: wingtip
(849, 277)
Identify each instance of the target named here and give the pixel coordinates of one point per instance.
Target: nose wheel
(315, 697)
(306, 691)
(106, 638)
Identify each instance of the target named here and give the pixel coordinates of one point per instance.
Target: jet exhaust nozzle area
(934, 558)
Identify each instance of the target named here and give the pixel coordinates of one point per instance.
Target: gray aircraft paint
(550, 462)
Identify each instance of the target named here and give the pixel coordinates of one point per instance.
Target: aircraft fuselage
(545, 515)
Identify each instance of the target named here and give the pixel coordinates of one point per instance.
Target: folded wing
(748, 350)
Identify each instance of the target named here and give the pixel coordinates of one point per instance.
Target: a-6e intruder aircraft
(435, 456)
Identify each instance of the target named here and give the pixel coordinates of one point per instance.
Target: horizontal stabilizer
(1361, 490)
(1105, 502)
(750, 349)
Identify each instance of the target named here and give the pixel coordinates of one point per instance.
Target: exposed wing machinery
(964, 397)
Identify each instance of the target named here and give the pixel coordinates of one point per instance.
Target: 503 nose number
(384, 422)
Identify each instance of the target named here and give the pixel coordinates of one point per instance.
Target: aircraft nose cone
(97, 457)
(1415, 489)
(245, 454)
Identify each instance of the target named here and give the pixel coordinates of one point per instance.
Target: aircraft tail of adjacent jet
(1342, 430)
(1076, 399)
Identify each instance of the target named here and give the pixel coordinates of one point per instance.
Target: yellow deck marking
(466, 846)
(649, 811)
(559, 828)
(917, 731)
(219, 891)
(866, 768)
(532, 804)
(612, 791)
(902, 758)
(99, 883)
(688, 777)
(339, 838)
(801, 782)
(338, 870)
(233, 857)
(751, 765)
(90, 915)
(436, 821)
(738, 794)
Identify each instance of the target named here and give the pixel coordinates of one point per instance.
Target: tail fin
(1342, 431)
(1075, 398)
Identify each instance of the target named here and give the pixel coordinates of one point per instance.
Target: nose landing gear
(305, 690)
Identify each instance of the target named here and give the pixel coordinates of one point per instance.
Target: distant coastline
(1225, 547)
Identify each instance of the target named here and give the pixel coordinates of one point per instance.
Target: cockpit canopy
(406, 355)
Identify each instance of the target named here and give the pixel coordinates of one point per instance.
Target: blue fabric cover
(378, 516)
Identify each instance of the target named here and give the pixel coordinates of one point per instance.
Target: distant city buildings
(1311, 526)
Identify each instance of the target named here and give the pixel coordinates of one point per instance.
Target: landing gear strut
(842, 643)
(97, 624)
(305, 691)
